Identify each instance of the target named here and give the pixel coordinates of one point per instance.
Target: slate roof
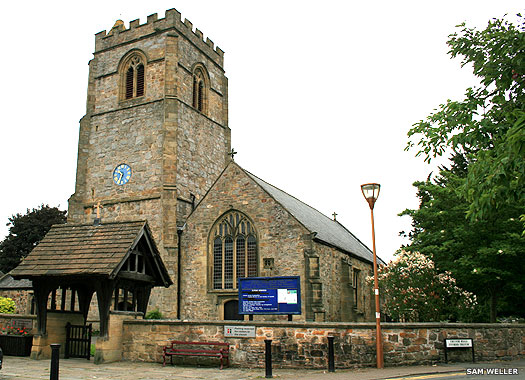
(327, 230)
(85, 249)
(9, 283)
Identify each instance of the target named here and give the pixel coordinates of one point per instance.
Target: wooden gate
(78, 341)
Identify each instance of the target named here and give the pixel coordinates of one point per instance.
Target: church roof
(91, 250)
(327, 230)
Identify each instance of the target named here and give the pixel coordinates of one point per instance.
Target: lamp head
(371, 193)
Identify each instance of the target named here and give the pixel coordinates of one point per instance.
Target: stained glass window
(234, 249)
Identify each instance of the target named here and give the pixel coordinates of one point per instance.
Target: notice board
(270, 295)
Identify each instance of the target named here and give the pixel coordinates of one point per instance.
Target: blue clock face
(122, 174)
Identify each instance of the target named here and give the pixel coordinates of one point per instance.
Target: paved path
(80, 369)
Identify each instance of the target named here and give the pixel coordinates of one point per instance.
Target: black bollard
(268, 357)
(331, 364)
(55, 357)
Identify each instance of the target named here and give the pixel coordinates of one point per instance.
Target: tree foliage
(25, 232)
(416, 291)
(468, 220)
(486, 256)
(488, 125)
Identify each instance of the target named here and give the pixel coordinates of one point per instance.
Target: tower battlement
(119, 35)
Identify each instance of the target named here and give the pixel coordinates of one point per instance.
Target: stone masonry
(305, 345)
(180, 183)
(175, 151)
(280, 238)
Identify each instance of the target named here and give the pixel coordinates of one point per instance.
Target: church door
(231, 311)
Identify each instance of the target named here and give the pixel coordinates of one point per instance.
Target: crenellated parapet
(172, 21)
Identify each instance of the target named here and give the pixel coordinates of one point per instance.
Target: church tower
(155, 135)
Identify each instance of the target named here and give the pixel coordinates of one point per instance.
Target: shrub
(153, 314)
(414, 290)
(7, 305)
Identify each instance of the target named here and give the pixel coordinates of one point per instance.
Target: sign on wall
(23, 324)
(459, 343)
(270, 295)
(239, 331)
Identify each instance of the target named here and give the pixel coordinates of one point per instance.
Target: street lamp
(371, 193)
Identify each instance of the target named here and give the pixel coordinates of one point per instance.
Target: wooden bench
(213, 349)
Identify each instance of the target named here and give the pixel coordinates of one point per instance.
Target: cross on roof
(334, 215)
(232, 153)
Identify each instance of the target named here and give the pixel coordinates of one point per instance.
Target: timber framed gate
(78, 341)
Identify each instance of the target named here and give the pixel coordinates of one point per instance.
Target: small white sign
(288, 296)
(239, 331)
(450, 343)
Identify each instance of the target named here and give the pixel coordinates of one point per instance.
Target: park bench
(212, 349)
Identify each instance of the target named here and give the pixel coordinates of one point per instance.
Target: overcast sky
(321, 94)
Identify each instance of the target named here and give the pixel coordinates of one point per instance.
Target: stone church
(155, 146)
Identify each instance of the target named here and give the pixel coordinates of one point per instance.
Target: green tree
(25, 232)
(485, 256)
(469, 215)
(488, 125)
(416, 291)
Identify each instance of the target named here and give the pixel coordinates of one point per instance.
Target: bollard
(55, 357)
(331, 364)
(268, 357)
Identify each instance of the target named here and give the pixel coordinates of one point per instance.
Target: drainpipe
(179, 271)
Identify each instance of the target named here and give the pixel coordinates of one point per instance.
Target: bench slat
(199, 343)
(196, 354)
(173, 351)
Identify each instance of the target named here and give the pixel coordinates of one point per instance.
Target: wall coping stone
(122, 312)
(328, 325)
(18, 316)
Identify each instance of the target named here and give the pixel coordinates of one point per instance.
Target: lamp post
(371, 193)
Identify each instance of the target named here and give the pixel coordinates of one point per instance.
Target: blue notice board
(270, 295)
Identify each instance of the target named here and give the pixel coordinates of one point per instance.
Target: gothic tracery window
(199, 89)
(133, 77)
(234, 250)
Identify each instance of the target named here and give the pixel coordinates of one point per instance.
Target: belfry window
(134, 78)
(234, 249)
(199, 89)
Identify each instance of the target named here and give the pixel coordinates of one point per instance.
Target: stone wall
(304, 345)
(25, 319)
(109, 349)
(280, 237)
(330, 286)
(56, 333)
(22, 299)
(326, 272)
(174, 150)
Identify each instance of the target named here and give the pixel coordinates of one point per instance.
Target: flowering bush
(7, 305)
(10, 330)
(414, 290)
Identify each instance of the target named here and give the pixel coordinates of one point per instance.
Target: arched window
(133, 77)
(199, 89)
(234, 249)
